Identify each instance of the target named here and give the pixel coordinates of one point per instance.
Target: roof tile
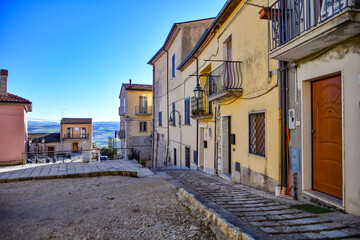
(11, 98)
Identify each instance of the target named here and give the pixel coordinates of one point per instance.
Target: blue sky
(72, 56)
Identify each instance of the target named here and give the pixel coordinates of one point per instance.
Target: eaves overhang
(222, 16)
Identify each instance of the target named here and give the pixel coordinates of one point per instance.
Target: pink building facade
(13, 124)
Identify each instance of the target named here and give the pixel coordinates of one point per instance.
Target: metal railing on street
(62, 156)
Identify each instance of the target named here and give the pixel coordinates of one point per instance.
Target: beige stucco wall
(249, 45)
(13, 129)
(130, 123)
(180, 87)
(64, 127)
(132, 100)
(343, 59)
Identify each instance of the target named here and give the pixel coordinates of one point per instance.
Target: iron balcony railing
(143, 110)
(289, 19)
(225, 77)
(76, 136)
(121, 110)
(200, 107)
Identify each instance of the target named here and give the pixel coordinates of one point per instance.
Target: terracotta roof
(76, 121)
(141, 87)
(11, 98)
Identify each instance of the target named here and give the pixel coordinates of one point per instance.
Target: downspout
(153, 128)
(167, 107)
(197, 120)
(283, 109)
(215, 143)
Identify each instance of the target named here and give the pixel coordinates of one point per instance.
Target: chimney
(3, 82)
(130, 83)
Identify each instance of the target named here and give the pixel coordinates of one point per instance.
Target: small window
(173, 66)
(143, 126)
(187, 157)
(257, 134)
(210, 132)
(187, 111)
(173, 113)
(160, 118)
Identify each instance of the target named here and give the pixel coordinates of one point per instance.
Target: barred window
(257, 134)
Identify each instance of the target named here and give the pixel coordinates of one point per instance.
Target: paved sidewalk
(260, 214)
(72, 170)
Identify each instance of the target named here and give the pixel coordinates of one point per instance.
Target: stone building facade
(75, 136)
(135, 113)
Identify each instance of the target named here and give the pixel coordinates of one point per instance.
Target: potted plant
(198, 111)
(143, 162)
(130, 157)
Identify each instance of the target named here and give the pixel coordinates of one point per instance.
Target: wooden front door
(51, 151)
(327, 136)
(75, 148)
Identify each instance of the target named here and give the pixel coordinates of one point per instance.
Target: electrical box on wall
(292, 119)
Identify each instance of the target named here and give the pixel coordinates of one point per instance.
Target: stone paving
(72, 169)
(260, 214)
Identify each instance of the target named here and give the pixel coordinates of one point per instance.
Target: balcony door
(143, 104)
(229, 78)
(83, 133)
(69, 132)
(327, 136)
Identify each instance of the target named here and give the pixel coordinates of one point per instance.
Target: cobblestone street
(262, 215)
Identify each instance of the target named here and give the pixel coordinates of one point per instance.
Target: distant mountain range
(101, 130)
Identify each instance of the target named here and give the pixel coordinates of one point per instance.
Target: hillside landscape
(101, 130)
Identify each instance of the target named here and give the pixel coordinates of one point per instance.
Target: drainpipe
(283, 109)
(153, 123)
(197, 120)
(215, 143)
(167, 107)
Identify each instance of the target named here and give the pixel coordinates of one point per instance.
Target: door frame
(201, 153)
(306, 139)
(312, 127)
(229, 157)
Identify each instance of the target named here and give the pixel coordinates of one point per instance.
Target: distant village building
(75, 136)
(13, 124)
(135, 113)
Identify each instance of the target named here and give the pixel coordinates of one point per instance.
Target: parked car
(104, 157)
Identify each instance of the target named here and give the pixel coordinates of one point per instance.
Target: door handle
(313, 133)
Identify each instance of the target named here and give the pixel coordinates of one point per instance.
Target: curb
(73, 175)
(232, 232)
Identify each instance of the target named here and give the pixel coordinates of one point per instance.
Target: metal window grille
(257, 134)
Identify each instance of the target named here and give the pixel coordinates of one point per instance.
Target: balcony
(143, 110)
(76, 136)
(225, 82)
(122, 111)
(303, 27)
(121, 134)
(201, 108)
